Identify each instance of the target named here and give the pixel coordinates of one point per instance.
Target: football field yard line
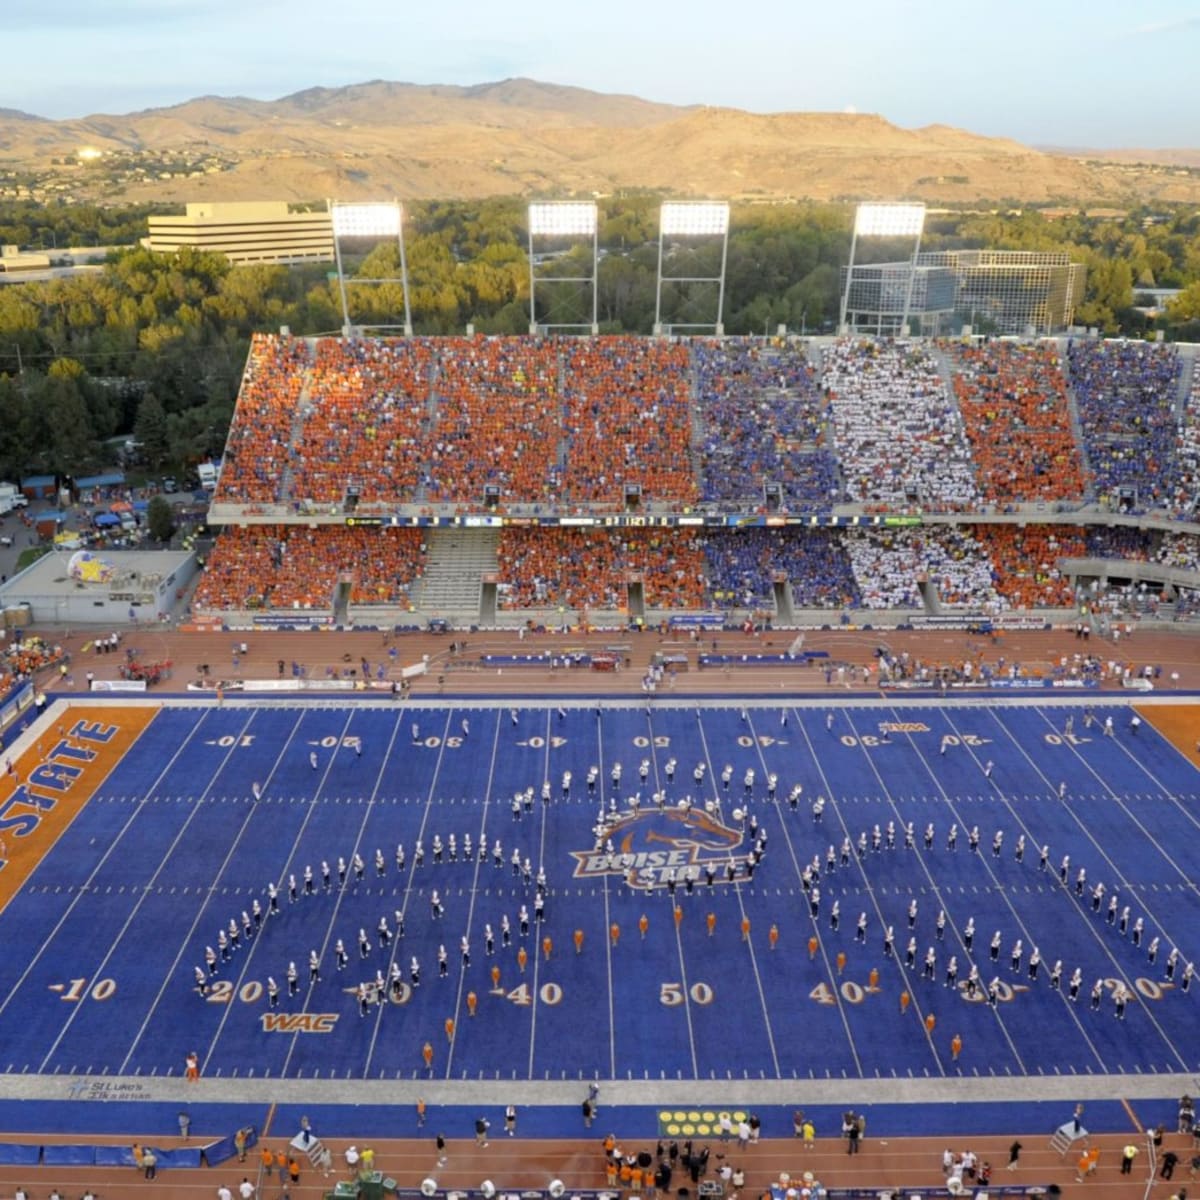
(539, 927)
(337, 904)
(1119, 800)
(997, 887)
(310, 808)
(197, 805)
(950, 921)
(1119, 970)
(831, 796)
(85, 889)
(608, 948)
(169, 975)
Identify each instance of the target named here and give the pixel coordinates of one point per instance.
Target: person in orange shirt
(472, 1002)
(449, 1027)
(678, 915)
(635, 1180)
(614, 933)
(522, 959)
(873, 979)
(281, 1164)
(841, 961)
(711, 922)
(930, 1022)
(495, 975)
(268, 1161)
(813, 946)
(579, 941)
(745, 929)
(547, 946)
(955, 1047)
(643, 924)
(626, 1174)
(427, 1055)
(773, 936)
(193, 1067)
(905, 1000)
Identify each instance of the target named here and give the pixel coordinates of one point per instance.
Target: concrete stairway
(455, 562)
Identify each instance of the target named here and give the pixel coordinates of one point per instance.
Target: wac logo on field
(277, 1022)
(646, 845)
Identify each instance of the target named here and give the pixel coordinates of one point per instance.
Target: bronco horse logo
(648, 844)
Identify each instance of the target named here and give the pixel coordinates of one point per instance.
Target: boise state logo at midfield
(647, 845)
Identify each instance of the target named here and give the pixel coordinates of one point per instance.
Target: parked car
(170, 486)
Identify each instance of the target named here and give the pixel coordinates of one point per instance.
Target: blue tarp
(37, 481)
(69, 1156)
(114, 1156)
(105, 520)
(112, 479)
(19, 1156)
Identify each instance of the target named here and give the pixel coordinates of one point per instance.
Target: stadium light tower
(559, 221)
(693, 219)
(372, 220)
(886, 220)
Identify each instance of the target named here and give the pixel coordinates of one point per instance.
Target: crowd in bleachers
(628, 420)
(899, 438)
(890, 564)
(1187, 452)
(499, 421)
(1014, 403)
(764, 420)
(1181, 550)
(258, 447)
(1119, 541)
(742, 564)
(361, 420)
(1125, 393)
(547, 567)
(1025, 562)
(298, 567)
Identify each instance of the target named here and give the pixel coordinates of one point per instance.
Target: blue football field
(640, 968)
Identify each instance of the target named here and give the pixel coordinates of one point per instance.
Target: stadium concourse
(911, 1118)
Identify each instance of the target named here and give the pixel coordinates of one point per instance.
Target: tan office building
(253, 231)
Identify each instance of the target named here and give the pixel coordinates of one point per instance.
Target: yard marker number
(672, 994)
(851, 992)
(102, 989)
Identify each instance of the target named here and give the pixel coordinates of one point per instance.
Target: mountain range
(520, 136)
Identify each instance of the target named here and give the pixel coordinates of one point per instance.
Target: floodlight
(563, 218)
(366, 220)
(889, 220)
(694, 219)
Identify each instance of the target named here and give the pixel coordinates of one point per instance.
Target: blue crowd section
(118, 915)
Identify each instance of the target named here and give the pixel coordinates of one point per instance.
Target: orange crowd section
(294, 567)
(629, 420)
(1025, 561)
(361, 421)
(498, 422)
(258, 447)
(544, 567)
(1014, 402)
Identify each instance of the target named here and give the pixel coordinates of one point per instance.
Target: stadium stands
(1125, 393)
(628, 420)
(764, 420)
(1014, 403)
(564, 424)
(1025, 561)
(257, 449)
(499, 421)
(546, 567)
(742, 564)
(298, 568)
(361, 421)
(890, 564)
(898, 436)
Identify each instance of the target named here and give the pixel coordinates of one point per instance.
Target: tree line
(154, 344)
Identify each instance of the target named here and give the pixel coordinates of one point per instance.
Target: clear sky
(1062, 72)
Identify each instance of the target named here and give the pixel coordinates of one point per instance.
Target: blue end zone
(121, 910)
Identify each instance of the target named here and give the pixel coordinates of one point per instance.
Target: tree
(151, 430)
(160, 519)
